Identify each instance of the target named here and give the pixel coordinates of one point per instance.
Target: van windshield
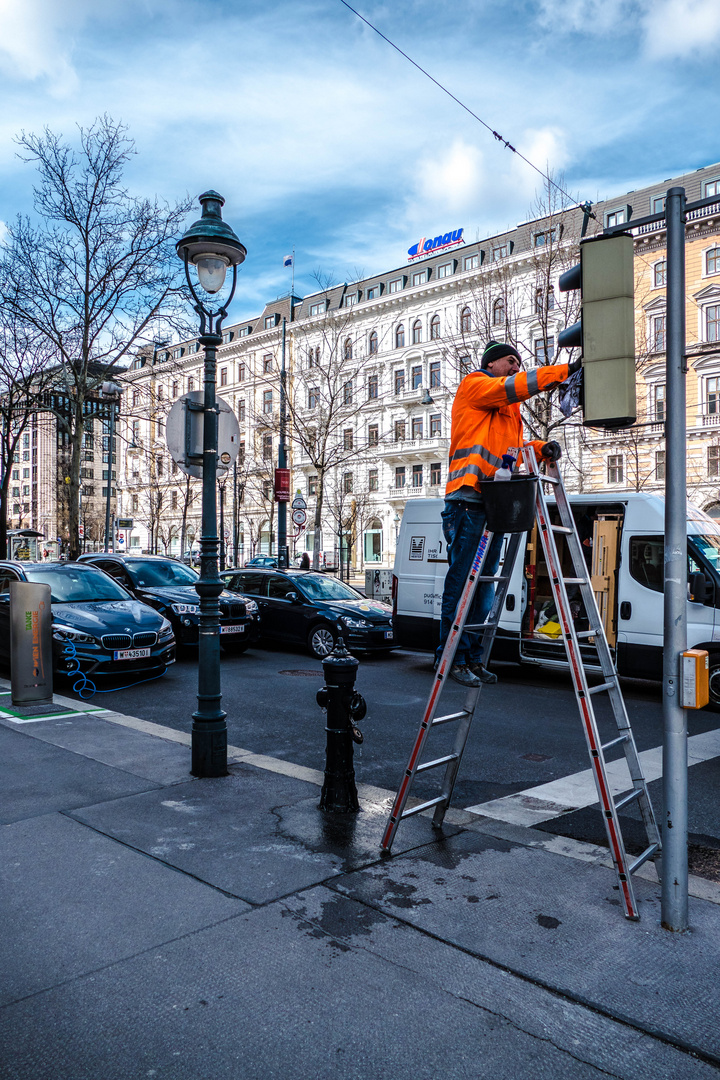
(709, 546)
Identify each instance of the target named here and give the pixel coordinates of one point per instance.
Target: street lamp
(211, 246)
(110, 392)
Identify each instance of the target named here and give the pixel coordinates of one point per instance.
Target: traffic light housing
(606, 331)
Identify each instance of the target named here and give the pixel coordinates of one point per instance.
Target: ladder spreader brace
(584, 693)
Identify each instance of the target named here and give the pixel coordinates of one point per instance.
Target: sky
(324, 139)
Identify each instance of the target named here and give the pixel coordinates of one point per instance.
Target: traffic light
(606, 331)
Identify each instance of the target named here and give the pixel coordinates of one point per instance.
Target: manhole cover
(535, 757)
(299, 671)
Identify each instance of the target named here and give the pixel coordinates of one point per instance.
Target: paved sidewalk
(156, 925)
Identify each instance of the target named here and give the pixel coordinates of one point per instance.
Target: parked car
(112, 633)
(191, 558)
(269, 561)
(169, 586)
(302, 607)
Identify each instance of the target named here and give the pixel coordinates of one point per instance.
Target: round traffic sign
(299, 517)
(299, 503)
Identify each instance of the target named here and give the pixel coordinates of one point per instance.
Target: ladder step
(584, 634)
(422, 806)
(479, 625)
(562, 529)
(449, 718)
(599, 689)
(614, 742)
(438, 761)
(492, 577)
(548, 479)
(576, 581)
(647, 854)
(634, 794)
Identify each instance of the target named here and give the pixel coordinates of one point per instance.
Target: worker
(486, 422)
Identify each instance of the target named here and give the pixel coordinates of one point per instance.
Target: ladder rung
(479, 625)
(422, 806)
(634, 794)
(614, 742)
(562, 529)
(449, 718)
(583, 634)
(438, 761)
(549, 479)
(576, 581)
(599, 689)
(647, 854)
(492, 577)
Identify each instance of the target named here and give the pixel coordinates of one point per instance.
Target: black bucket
(510, 504)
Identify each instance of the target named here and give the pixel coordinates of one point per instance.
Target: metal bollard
(345, 708)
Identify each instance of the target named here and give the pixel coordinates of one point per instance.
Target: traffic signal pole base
(209, 747)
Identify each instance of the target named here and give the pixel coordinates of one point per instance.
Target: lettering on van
(435, 552)
(417, 548)
(431, 599)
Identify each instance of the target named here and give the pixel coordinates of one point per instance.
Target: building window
(500, 252)
(314, 357)
(223, 379)
(544, 350)
(541, 239)
(373, 292)
(658, 204)
(136, 431)
(351, 298)
(712, 261)
(400, 476)
(498, 314)
(26, 473)
(241, 452)
(659, 464)
(417, 332)
(416, 377)
(712, 323)
(347, 349)
(465, 320)
(174, 501)
(712, 188)
(191, 385)
(373, 435)
(319, 308)
(176, 389)
(399, 381)
(471, 262)
(465, 364)
(399, 430)
(267, 401)
(435, 473)
(435, 373)
(435, 328)
(419, 277)
(615, 472)
(135, 503)
(348, 483)
(616, 217)
(395, 285)
(660, 274)
(417, 476)
(313, 397)
(348, 439)
(269, 322)
(417, 427)
(267, 447)
(26, 455)
(312, 486)
(400, 337)
(135, 398)
(241, 373)
(227, 337)
(658, 333)
(266, 489)
(712, 396)
(713, 461)
(372, 387)
(445, 270)
(373, 480)
(267, 363)
(435, 425)
(105, 493)
(241, 411)
(659, 403)
(348, 393)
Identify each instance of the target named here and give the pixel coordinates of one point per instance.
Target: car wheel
(321, 640)
(714, 682)
(234, 648)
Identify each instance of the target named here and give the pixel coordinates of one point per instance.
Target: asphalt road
(526, 731)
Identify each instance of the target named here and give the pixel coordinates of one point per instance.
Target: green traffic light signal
(606, 330)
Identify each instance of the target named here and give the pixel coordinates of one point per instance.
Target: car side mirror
(292, 597)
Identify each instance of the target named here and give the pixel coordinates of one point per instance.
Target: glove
(574, 365)
(552, 451)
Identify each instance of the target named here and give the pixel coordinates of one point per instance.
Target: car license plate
(130, 654)
(232, 629)
(388, 634)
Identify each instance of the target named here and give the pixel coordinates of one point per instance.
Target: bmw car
(169, 586)
(96, 625)
(302, 607)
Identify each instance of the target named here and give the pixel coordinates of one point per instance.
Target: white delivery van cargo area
(622, 534)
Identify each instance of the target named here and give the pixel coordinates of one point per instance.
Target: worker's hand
(551, 451)
(575, 365)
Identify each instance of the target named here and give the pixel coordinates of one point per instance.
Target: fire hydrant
(345, 709)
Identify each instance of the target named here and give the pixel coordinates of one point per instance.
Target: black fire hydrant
(345, 709)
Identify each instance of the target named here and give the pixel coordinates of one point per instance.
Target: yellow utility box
(694, 673)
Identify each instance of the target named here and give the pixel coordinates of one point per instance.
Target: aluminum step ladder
(584, 693)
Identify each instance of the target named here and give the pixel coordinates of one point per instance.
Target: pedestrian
(486, 422)
(305, 561)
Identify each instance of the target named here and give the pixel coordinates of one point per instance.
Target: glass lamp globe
(211, 270)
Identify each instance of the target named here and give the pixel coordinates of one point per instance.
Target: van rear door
(420, 568)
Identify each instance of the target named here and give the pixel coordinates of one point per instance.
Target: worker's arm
(487, 392)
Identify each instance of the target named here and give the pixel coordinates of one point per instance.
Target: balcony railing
(415, 491)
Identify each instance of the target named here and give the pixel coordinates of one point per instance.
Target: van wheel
(321, 640)
(714, 681)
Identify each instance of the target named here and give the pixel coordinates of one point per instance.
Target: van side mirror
(700, 588)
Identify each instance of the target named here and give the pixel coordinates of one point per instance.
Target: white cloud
(33, 41)
(681, 28)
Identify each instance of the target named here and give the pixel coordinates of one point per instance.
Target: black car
(108, 631)
(169, 586)
(304, 607)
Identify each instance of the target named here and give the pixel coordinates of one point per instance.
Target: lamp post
(111, 392)
(211, 246)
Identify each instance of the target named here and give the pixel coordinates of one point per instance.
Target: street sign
(282, 485)
(121, 538)
(124, 523)
(81, 531)
(299, 517)
(184, 433)
(299, 503)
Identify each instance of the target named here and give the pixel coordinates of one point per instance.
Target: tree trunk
(318, 518)
(73, 487)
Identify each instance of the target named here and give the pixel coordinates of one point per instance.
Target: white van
(622, 533)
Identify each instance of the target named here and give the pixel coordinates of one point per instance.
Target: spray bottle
(505, 470)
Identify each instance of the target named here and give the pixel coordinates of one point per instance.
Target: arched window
(435, 328)
(499, 312)
(465, 320)
(400, 337)
(347, 349)
(373, 343)
(417, 332)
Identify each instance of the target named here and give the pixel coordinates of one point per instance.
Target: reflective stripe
(532, 381)
(510, 389)
(469, 468)
(481, 451)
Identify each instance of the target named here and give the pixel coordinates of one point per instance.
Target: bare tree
(93, 271)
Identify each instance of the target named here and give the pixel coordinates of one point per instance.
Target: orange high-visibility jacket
(486, 421)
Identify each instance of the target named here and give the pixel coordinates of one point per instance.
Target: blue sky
(321, 137)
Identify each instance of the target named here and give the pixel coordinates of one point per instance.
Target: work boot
(462, 674)
(482, 673)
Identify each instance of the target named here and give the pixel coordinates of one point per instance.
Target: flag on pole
(288, 260)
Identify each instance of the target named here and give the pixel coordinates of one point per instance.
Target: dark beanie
(495, 350)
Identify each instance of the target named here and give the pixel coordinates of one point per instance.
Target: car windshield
(149, 572)
(710, 548)
(74, 584)
(319, 587)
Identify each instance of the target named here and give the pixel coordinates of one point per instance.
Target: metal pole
(109, 487)
(282, 450)
(209, 732)
(674, 907)
(236, 530)
(222, 525)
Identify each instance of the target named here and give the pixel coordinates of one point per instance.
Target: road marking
(53, 716)
(547, 801)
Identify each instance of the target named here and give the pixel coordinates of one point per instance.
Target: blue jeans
(463, 525)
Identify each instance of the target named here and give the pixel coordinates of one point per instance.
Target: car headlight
(251, 607)
(63, 633)
(185, 609)
(356, 624)
(166, 630)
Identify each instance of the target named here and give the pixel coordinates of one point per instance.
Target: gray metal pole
(108, 546)
(282, 451)
(674, 909)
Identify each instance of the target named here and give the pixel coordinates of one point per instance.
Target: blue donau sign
(437, 243)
